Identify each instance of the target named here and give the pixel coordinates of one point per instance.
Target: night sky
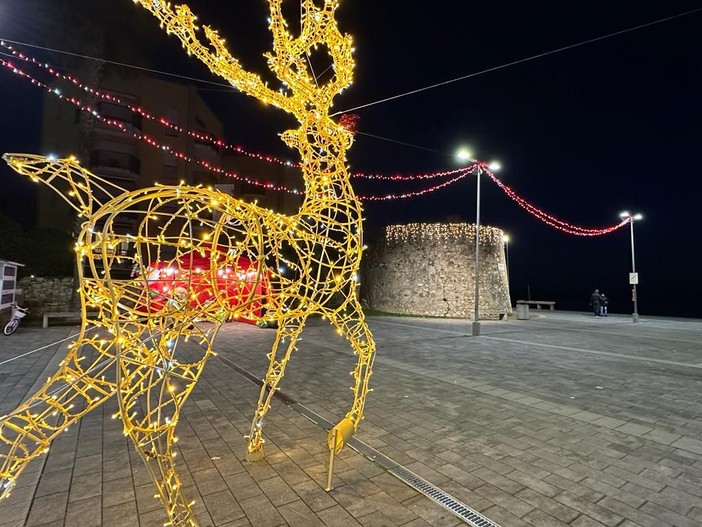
(582, 134)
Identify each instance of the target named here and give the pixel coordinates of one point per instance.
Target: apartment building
(132, 163)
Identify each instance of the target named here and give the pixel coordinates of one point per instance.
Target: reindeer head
(303, 94)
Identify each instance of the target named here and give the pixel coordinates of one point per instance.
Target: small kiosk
(8, 283)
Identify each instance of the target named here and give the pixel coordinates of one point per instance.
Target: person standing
(595, 302)
(604, 302)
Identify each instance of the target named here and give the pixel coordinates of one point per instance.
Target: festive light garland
(317, 254)
(442, 231)
(462, 171)
(143, 137)
(214, 168)
(106, 96)
(551, 220)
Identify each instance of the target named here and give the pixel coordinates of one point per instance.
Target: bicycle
(18, 313)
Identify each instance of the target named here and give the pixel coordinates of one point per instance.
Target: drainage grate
(463, 511)
(444, 499)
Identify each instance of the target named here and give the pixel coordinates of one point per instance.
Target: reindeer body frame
(138, 361)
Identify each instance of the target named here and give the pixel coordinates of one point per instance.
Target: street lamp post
(634, 277)
(476, 302)
(465, 155)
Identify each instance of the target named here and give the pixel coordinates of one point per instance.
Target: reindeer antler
(288, 62)
(181, 22)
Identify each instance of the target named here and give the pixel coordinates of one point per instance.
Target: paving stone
(242, 486)
(336, 515)
(527, 480)
(506, 501)
(314, 496)
(591, 510)
(688, 443)
(48, 508)
(223, 507)
(85, 513)
(585, 521)
(297, 514)
(278, 491)
(541, 519)
(634, 429)
(679, 502)
(55, 481)
(504, 517)
(261, 512)
(502, 441)
(548, 505)
(86, 486)
(117, 491)
(430, 513)
(631, 513)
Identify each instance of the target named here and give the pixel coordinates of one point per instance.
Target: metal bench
(65, 314)
(538, 303)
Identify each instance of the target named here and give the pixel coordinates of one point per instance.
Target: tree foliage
(44, 252)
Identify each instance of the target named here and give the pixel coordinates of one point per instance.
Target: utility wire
(520, 61)
(123, 64)
(401, 142)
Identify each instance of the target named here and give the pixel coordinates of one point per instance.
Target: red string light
(464, 173)
(143, 137)
(551, 220)
(207, 165)
(204, 137)
(459, 173)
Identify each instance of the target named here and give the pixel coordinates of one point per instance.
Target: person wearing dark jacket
(604, 302)
(595, 299)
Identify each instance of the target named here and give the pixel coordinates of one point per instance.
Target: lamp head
(464, 154)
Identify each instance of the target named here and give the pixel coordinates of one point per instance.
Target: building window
(170, 175)
(170, 168)
(205, 179)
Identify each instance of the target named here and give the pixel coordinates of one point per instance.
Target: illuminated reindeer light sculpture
(134, 353)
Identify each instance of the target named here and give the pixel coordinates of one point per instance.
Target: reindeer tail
(83, 190)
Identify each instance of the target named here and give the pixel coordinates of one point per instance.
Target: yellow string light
(309, 258)
(489, 236)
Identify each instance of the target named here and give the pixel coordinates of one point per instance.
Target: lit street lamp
(633, 277)
(465, 155)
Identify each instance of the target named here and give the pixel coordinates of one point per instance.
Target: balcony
(115, 165)
(120, 113)
(205, 146)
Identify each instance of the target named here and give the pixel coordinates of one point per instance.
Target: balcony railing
(119, 113)
(121, 161)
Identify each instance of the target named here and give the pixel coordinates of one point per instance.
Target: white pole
(476, 318)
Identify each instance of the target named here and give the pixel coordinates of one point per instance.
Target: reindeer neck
(329, 196)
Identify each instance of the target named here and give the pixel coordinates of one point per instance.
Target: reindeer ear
(291, 138)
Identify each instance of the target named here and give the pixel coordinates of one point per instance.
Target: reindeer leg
(70, 393)
(155, 446)
(152, 392)
(285, 339)
(352, 325)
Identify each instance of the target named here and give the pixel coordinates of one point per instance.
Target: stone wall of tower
(429, 269)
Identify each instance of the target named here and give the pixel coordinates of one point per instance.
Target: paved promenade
(562, 420)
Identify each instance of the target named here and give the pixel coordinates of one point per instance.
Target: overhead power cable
(123, 64)
(519, 61)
